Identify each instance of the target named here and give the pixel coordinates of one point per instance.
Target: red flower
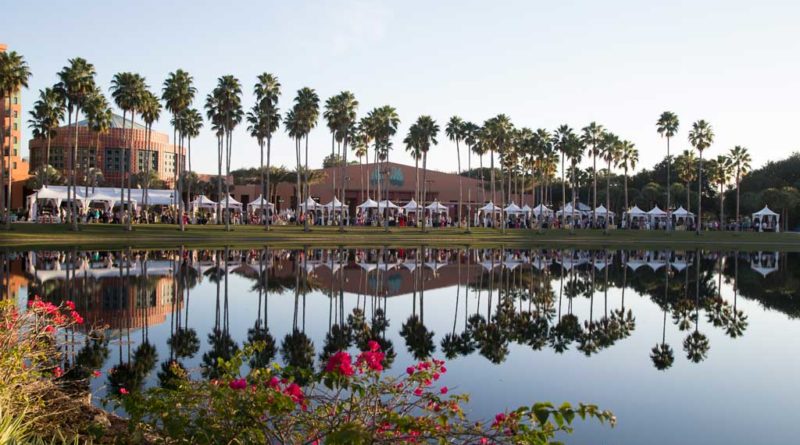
(372, 359)
(418, 392)
(77, 317)
(443, 390)
(96, 373)
(373, 346)
(238, 384)
(274, 382)
(69, 304)
(295, 392)
(340, 363)
(49, 329)
(123, 391)
(58, 372)
(410, 370)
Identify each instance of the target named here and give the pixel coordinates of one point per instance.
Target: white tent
(386, 204)
(765, 263)
(259, 203)
(368, 204)
(513, 208)
(104, 197)
(437, 207)
(602, 212)
(767, 219)
(412, 206)
(527, 209)
(490, 207)
(542, 209)
(656, 212)
(232, 203)
(578, 211)
(335, 205)
(636, 211)
(202, 202)
(310, 204)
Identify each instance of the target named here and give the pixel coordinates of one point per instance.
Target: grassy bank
(24, 236)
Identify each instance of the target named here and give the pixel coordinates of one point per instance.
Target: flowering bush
(348, 402)
(36, 377)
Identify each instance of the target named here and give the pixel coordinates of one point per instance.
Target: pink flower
(58, 372)
(418, 392)
(340, 363)
(123, 391)
(410, 370)
(274, 382)
(295, 392)
(69, 304)
(372, 359)
(238, 384)
(96, 373)
(436, 376)
(443, 390)
(373, 346)
(49, 329)
(77, 317)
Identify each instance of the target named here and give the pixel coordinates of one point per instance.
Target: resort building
(17, 168)
(109, 152)
(361, 182)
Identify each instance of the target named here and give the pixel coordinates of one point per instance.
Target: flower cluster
(54, 314)
(340, 363)
(372, 359)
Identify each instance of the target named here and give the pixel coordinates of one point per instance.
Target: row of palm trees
(528, 159)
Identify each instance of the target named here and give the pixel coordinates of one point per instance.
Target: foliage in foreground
(349, 402)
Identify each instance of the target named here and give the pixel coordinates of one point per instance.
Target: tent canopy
(310, 204)
(764, 212)
(681, 212)
(436, 206)
(602, 210)
(490, 207)
(542, 209)
(202, 202)
(368, 204)
(636, 211)
(260, 203)
(386, 204)
(335, 205)
(656, 211)
(513, 208)
(412, 206)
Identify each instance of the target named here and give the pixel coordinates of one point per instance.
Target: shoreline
(25, 236)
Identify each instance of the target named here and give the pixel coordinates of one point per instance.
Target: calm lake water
(683, 346)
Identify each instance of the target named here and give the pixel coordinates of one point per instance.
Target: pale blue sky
(621, 63)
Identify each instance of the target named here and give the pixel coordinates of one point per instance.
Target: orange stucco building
(17, 167)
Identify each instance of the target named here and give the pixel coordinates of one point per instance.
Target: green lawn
(24, 235)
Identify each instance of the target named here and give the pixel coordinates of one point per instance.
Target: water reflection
(499, 297)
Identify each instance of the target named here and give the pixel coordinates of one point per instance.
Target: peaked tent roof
(490, 207)
(656, 211)
(680, 211)
(513, 208)
(436, 206)
(636, 211)
(368, 204)
(412, 205)
(765, 212)
(260, 202)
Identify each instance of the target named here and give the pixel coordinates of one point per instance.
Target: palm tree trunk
(737, 201)
(131, 211)
(608, 196)
(74, 184)
(305, 180)
(627, 204)
(699, 193)
(219, 179)
(343, 184)
(268, 220)
(721, 207)
(594, 185)
(298, 191)
(3, 148)
(491, 179)
(469, 191)
(563, 192)
(460, 186)
(669, 212)
(424, 186)
(263, 190)
(228, 143)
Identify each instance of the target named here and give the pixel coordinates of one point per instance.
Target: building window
(169, 163)
(114, 159)
(141, 160)
(14, 165)
(15, 124)
(57, 158)
(16, 115)
(87, 158)
(16, 100)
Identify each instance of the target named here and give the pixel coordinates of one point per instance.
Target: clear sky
(735, 63)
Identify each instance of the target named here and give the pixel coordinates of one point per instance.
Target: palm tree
(610, 150)
(98, 117)
(14, 74)
(127, 90)
(628, 158)
(381, 124)
(293, 126)
(740, 160)
(229, 95)
(178, 95)
(76, 83)
(46, 114)
(192, 122)
(574, 151)
(685, 164)
(563, 135)
(497, 134)
(425, 131)
(216, 118)
(719, 174)
(592, 137)
(151, 111)
(412, 141)
(471, 139)
(306, 108)
(667, 126)
(330, 115)
(264, 120)
(701, 137)
(360, 150)
(480, 148)
(345, 119)
(456, 132)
